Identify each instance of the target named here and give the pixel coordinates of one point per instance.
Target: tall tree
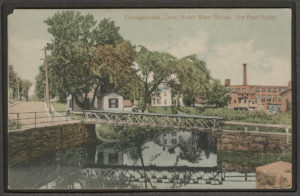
(153, 69)
(192, 79)
(112, 66)
(76, 38)
(218, 94)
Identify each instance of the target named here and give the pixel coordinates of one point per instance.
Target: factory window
(263, 98)
(244, 90)
(269, 98)
(274, 90)
(257, 89)
(274, 98)
(263, 90)
(252, 90)
(269, 90)
(237, 90)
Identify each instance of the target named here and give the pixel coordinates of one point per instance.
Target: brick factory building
(258, 97)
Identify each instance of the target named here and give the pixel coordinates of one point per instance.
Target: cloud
(184, 46)
(226, 60)
(25, 55)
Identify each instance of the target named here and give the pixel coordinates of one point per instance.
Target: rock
(274, 175)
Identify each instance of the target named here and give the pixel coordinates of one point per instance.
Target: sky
(223, 38)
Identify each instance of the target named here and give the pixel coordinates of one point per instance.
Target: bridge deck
(190, 122)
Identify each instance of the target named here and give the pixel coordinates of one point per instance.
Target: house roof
(127, 103)
(108, 93)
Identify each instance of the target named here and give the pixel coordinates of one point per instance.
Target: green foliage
(154, 68)
(243, 116)
(217, 94)
(193, 79)
(59, 106)
(251, 160)
(18, 87)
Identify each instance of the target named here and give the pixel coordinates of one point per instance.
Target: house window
(244, 90)
(153, 100)
(263, 90)
(158, 101)
(274, 98)
(174, 134)
(165, 93)
(279, 98)
(165, 101)
(231, 90)
(113, 158)
(174, 141)
(280, 90)
(165, 141)
(234, 101)
(263, 99)
(237, 90)
(257, 89)
(245, 101)
(269, 90)
(257, 97)
(274, 90)
(113, 103)
(269, 98)
(240, 101)
(252, 90)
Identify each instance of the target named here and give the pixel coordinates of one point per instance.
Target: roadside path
(26, 113)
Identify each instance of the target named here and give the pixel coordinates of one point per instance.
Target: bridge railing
(21, 120)
(257, 127)
(204, 123)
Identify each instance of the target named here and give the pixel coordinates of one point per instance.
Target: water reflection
(140, 159)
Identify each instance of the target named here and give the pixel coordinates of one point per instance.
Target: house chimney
(227, 82)
(244, 74)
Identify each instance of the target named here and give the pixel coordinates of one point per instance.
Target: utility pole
(47, 93)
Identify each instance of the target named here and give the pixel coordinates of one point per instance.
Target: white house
(109, 101)
(165, 97)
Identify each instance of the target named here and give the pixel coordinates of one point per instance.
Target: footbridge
(172, 121)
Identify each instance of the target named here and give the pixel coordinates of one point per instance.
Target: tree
(13, 82)
(153, 69)
(112, 66)
(192, 79)
(218, 94)
(72, 67)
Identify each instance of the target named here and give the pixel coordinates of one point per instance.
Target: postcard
(149, 99)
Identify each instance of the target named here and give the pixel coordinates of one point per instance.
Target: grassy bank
(229, 114)
(59, 106)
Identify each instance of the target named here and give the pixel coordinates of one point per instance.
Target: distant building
(286, 98)
(255, 97)
(165, 97)
(109, 101)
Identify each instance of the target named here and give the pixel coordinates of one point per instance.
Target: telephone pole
(47, 93)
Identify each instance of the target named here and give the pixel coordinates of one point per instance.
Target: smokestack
(244, 74)
(227, 82)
